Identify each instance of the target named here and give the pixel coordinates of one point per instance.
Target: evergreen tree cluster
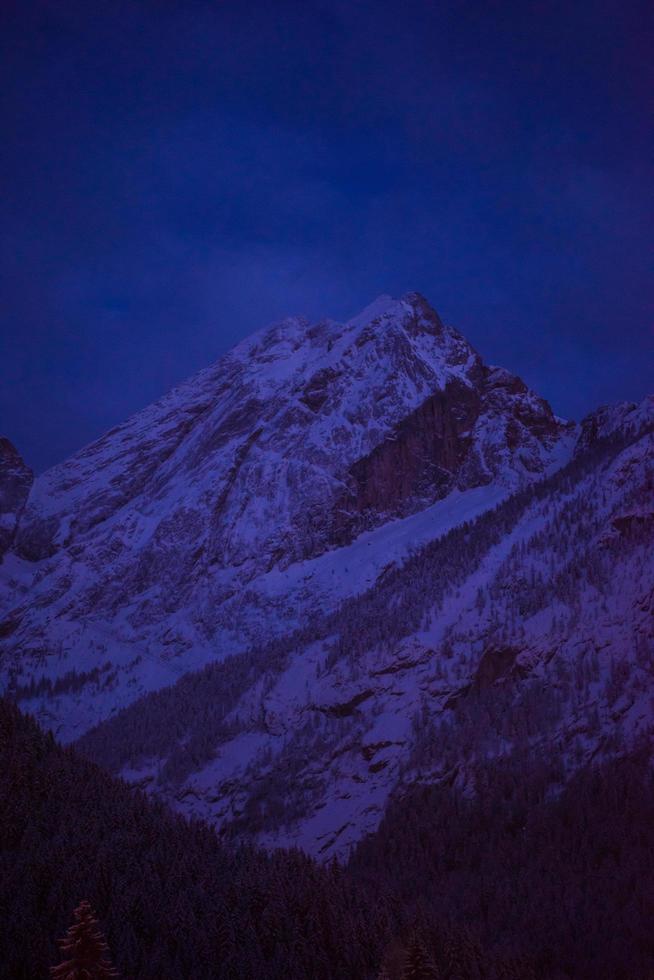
(72, 682)
(85, 950)
(552, 880)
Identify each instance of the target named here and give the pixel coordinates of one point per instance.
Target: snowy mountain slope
(255, 496)
(532, 625)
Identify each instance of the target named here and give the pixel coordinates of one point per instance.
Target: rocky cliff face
(213, 518)
(464, 436)
(15, 482)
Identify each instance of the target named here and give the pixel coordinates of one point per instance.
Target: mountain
(345, 558)
(222, 515)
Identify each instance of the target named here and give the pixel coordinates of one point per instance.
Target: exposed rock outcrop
(16, 479)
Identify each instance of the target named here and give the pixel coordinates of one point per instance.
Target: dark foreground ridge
(521, 881)
(173, 902)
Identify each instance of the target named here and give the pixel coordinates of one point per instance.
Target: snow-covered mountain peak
(385, 310)
(218, 515)
(294, 348)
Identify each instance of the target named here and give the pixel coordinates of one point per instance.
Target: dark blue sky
(175, 175)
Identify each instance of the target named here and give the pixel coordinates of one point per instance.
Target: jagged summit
(299, 348)
(386, 308)
(379, 306)
(324, 407)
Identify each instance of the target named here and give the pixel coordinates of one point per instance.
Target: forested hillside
(173, 902)
(563, 877)
(526, 880)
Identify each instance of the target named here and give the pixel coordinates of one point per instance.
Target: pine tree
(418, 964)
(86, 950)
